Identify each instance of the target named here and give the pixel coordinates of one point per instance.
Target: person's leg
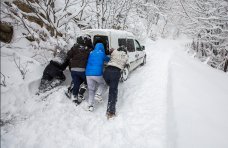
(113, 92)
(101, 84)
(91, 86)
(82, 91)
(58, 79)
(45, 83)
(77, 82)
(83, 87)
(60, 76)
(100, 89)
(56, 82)
(70, 90)
(106, 76)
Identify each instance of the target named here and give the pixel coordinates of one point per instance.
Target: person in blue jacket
(94, 72)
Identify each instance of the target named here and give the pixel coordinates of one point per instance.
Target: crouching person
(112, 75)
(53, 73)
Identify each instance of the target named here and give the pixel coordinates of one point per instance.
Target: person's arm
(111, 50)
(70, 52)
(65, 64)
(126, 58)
(106, 58)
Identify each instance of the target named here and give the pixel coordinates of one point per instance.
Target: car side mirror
(143, 47)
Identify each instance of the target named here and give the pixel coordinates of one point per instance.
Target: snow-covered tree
(50, 23)
(109, 13)
(207, 22)
(154, 15)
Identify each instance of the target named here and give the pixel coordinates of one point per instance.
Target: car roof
(108, 31)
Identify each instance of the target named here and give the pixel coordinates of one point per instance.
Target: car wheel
(124, 74)
(144, 61)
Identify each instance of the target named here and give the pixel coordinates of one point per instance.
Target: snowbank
(197, 102)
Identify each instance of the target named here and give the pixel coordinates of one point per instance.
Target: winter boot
(81, 97)
(82, 91)
(69, 91)
(88, 107)
(76, 100)
(110, 115)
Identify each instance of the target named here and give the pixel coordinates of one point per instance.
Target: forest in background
(54, 24)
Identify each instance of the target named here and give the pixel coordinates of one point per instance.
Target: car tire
(124, 74)
(144, 61)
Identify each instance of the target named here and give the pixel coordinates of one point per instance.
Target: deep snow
(198, 100)
(173, 101)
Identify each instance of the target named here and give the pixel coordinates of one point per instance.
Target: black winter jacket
(55, 70)
(78, 56)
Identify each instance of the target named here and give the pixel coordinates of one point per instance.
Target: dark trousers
(111, 77)
(52, 71)
(82, 88)
(46, 85)
(78, 78)
(51, 80)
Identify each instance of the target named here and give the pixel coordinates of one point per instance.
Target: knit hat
(84, 40)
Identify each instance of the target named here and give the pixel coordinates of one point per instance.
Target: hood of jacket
(99, 47)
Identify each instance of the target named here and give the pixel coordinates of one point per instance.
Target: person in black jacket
(78, 56)
(53, 73)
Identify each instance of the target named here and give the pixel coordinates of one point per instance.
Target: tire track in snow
(143, 99)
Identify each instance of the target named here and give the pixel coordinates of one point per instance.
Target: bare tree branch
(23, 69)
(3, 80)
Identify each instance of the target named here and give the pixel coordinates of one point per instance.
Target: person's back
(94, 72)
(118, 58)
(79, 53)
(96, 60)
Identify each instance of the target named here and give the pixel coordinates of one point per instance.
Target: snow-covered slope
(198, 97)
(173, 101)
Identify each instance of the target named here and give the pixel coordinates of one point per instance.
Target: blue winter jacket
(96, 60)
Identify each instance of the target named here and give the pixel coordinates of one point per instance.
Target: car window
(130, 45)
(137, 46)
(103, 39)
(122, 42)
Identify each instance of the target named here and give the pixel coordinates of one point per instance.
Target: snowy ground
(173, 101)
(197, 104)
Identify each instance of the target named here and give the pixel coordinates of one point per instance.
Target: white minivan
(115, 39)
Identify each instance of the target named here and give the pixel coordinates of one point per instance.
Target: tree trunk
(226, 65)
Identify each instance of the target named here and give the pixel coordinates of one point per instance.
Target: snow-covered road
(145, 113)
